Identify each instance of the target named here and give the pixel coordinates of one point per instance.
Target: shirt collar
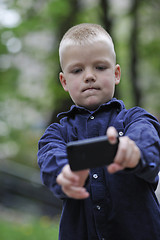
(74, 109)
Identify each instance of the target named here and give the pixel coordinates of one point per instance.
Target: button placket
(95, 176)
(98, 207)
(120, 133)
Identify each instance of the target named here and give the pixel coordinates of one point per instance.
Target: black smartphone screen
(91, 153)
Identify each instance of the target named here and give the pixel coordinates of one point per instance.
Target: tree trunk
(134, 53)
(66, 24)
(107, 23)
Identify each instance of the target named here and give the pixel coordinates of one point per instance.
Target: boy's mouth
(90, 89)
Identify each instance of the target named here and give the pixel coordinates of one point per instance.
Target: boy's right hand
(72, 183)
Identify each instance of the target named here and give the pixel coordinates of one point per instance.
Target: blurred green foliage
(35, 230)
(30, 91)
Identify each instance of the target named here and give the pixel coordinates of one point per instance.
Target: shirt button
(120, 134)
(95, 176)
(92, 117)
(98, 207)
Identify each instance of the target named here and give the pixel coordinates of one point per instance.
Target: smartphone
(91, 153)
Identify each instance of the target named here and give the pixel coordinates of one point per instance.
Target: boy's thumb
(112, 135)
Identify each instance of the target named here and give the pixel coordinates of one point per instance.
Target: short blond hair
(82, 34)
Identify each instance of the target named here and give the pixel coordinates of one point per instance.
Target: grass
(42, 229)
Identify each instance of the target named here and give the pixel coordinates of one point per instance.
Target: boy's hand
(72, 183)
(128, 154)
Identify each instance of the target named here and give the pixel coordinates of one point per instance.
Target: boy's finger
(112, 135)
(67, 177)
(68, 174)
(62, 181)
(123, 150)
(113, 168)
(76, 192)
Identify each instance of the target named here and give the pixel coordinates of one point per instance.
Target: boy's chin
(94, 106)
(93, 103)
(91, 107)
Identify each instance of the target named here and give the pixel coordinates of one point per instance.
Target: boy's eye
(76, 70)
(101, 68)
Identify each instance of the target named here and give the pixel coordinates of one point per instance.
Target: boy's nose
(89, 76)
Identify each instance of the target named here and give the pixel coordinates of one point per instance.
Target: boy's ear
(117, 74)
(63, 81)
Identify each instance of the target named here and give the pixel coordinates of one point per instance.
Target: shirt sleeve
(52, 157)
(144, 129)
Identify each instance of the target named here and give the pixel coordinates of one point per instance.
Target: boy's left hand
(128, 154)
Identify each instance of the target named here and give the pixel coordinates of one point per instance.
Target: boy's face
(90, 74)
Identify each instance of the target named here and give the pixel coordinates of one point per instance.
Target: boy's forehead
(68, 45)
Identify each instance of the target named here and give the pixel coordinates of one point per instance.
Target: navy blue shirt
(121, 206)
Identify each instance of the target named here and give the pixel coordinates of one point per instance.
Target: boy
(115, 202)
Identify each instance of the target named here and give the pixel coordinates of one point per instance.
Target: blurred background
(31, 95)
